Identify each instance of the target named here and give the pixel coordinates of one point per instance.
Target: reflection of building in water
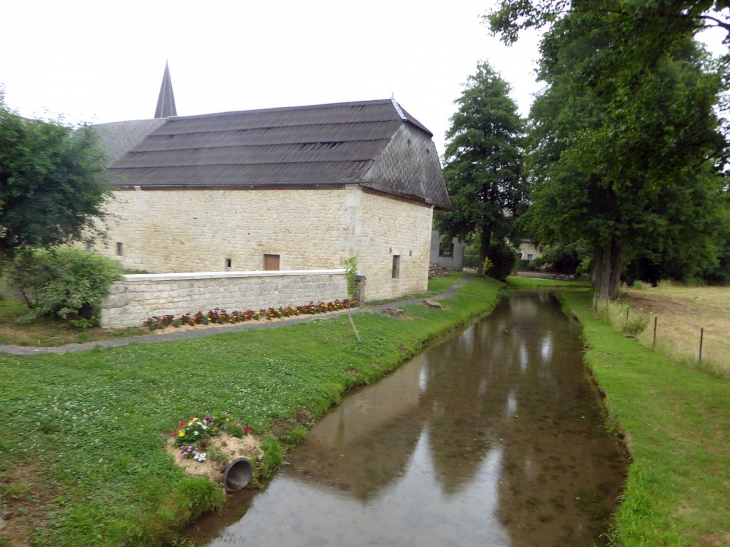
(365, 443)
(501, 415)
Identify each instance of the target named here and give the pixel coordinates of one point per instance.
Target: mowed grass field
(682, 312)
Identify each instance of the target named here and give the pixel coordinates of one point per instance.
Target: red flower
(182, 424)
(247, 429)
(203, 445)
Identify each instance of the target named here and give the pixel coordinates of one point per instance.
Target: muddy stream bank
(493, 437)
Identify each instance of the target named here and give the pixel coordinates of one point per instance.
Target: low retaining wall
(134, 298)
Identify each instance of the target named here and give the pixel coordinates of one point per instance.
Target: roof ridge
(154, 133)
(282, 109)
(135, 151)
(116, 165)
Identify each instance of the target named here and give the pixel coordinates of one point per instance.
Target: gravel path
(154, 338)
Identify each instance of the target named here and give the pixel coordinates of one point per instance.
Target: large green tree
(483, 162)
(625, 143)
(53, 183)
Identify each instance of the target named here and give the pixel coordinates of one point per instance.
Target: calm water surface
(493, 437)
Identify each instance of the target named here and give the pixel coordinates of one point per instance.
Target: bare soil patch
(282, 426)
(249, 446)
(681, 314)
(26, 499)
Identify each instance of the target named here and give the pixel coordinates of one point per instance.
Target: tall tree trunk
(604, 267)
(3, 253)
(617, 264)
(484, 249)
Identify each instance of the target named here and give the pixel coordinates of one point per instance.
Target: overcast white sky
(102, 61)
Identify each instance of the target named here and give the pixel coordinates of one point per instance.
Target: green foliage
(215, 454)
(487, 265)
(53, 183)
(83, 323)
(296, 435)
(471, 259)
(625, 143)
(635, 325)
(563, 258)
(639, 285)
(503, 259)
(273, 455)
(483, 161)
(66, 282)
(16, 490)
(351, 275)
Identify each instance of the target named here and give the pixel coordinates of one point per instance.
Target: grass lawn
(677, 425)
(535, 283)
(48, 332)
(436, 286)
(81, 456)
(682, 312)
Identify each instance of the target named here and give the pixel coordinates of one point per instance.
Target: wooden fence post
(653, 345)
(627, 317)
(702, 336)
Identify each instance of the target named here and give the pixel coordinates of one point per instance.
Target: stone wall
(197, 230)
(134, 298)
(393, 227)
(162, 231)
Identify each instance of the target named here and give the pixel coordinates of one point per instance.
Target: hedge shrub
(66, 282)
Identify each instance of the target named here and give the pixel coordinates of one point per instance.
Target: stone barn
(300, 188)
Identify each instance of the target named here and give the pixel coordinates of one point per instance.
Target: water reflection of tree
(475, 394)
(515, 382)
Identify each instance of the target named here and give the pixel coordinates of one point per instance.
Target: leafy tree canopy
(625, 144)
(483, 162)
(53, 183)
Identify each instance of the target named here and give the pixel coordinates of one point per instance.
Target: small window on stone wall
(396, 266)
(229, 263)
(272, 262)
(120, 248)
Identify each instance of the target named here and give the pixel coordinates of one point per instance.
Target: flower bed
(192, 437)
(205, 447)
(220, 316)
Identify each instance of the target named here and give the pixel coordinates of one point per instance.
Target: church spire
(166, 100)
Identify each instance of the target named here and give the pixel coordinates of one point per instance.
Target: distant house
(298, 188)
(449, 256)
(527, 250)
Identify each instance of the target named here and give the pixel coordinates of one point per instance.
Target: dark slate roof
(117, 138)
(308, 145)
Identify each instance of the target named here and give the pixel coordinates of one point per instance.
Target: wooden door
(271, 262)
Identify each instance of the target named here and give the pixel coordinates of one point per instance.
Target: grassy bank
(676, 422)
(82, 459)
(536, 283)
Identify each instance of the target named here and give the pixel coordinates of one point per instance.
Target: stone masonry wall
(167, 231)
(196, 230)
(391, 226)
(134, 298)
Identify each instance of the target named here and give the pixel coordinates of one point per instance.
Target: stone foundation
(134, 298)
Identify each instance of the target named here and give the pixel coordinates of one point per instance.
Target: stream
(494, 436)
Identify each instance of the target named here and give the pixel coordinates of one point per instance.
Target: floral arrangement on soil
(192, 437)
(221, 317)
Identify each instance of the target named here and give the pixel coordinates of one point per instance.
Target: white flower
(196, 432)
(199, 457)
